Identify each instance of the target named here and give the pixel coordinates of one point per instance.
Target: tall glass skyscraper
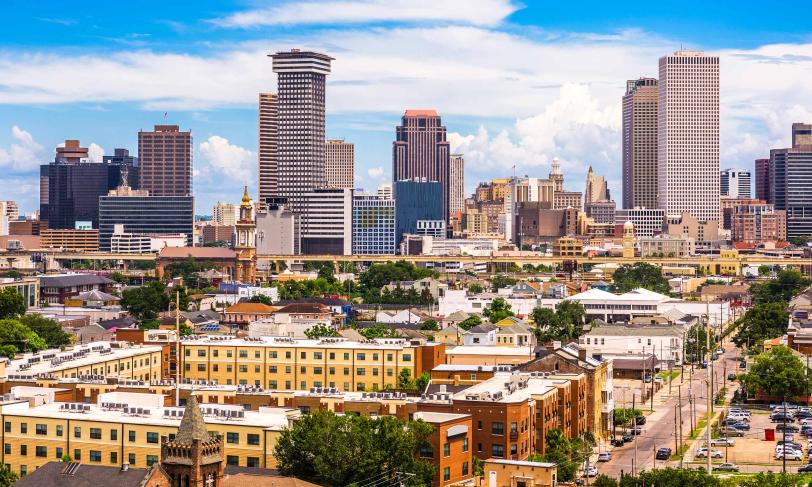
(416, 201)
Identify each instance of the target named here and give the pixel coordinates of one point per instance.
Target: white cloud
(226, 159)
(25, 154)
(95, 152)
(475, 12)
(375, 172)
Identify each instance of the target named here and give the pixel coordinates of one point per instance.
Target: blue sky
(516, 83)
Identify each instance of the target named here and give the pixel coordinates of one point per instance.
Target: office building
(144, 214)
(225, 213)
(216, 233)
(276, 228)
(456, 177)
(421, 151)
(165, 161)
(757, 222)
(27, 287)
(121, 156)
(762, 176)
(300, 164)
(416, 200)
(70, 186)
(535, 223)
(734, 183)
(268, 147)
(12, 211)
(596, 188)
(640, 143)
(601, 211)
(791, 181)
(705, 233)
(70, 239)
(688, 135)
(373, 225)
(340, 164)
(325, 222)
(385, 191)
(4, 218)
(647, 221)
(567, 199)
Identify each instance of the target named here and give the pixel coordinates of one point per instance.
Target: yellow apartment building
(288, 364)
(127, 428)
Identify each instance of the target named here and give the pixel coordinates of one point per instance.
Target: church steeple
(195, 457)
(192, 427)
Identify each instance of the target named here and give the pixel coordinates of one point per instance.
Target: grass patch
(673, 374)
(720, 400)
(700, 425)
(680, 452)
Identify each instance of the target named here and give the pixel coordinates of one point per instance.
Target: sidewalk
(701, 437)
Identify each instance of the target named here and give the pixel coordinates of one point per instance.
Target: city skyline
(525, 115)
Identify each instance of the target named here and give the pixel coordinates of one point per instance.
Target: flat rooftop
(509, 387)
(489, 350)
(332, 342)
(55, 360)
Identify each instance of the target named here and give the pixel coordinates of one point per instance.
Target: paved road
(659, 429)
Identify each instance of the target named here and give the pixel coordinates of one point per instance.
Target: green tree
(764, 270)
(145, 302)
(566, 323)
(475, 288)
(640, 274)
(260, 298)
(624, 416)
(405, 380)
(470, 322)
(188, 268)
(770, 479)
(604, 481)
(7, 477)
(786, 284)
(500, 281)
(47, 329)
(320, 330)
(777, 373)
(761, 322)
(498, 310)
(430, 325)
(422, 381)
(118, 277)
(799, 241)
(676, 477)
(378, 331)
(379, 275)
(16, 337)
(566, 453)
(12, 303)
(696, 343)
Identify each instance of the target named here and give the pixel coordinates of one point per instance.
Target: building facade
(70, 239)
(416, 200)
(340, 164)
(268, 145)
(647, 221)
(735, 183)
(245, 242)
(762, 177)
(225, 214)
(456, 177)
(277, 232)
(688, 135)
(165, 161)
(640, 143)
(373, 225)
(325, 222)
(152, 215)
(791, 181)
(758, 222)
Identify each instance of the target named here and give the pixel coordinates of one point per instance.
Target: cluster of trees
(778, 373)
(26, 333)
(696, 343)
(500, 281)
(640, 274)
(498, 310)
(677, 477)
(361, 449)
(407, 382)
(377, 276)
(398, 295)
(470, 322)
(565, 323)
(145, 303)
(188, 269)
(378, 331)
(625, 416)
(320, 330)
(568, 453)
(311, 288)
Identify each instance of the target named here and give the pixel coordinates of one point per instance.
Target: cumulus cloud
(95, 152)
(226, 159)
(475, 12)
(25, 154)
(375, 172)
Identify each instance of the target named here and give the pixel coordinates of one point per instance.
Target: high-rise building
(373, 225)
(791, 181)
(12, 211)
(421, 151)
(340, 164)
(556, 175)
(416, 201)
(165, 161)
(640, 143)
(268, 148)
(763, 185)
(4, 219)
(121, 156)
(325, 222)
(276, 228)
(70, 186)
(601, 211)
(646, 222)
(300, 163)
(225, 214)
(596, 188)
(734, 183)
(755, 221)
(456, 177)
(385, 191)
(688, 135)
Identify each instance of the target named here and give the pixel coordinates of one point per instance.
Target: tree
(405, 380)
(761, 322)
(47, 329)
(799, 241)
(764, 270)
(770, 479)
(7, 476)
(475, 288)
(567, 454)
(16, 337)
(604, 481)
(145, 302)
(430, 325)
(261, 298)
(118, 277)
(470, 322)
(624, 416)
(378, 331)
(379, 275)
(499, 281)
(12, 303)
(777, 373)
(383, 444)
(696, 343)
(422, 381)
(498, 310)
(566, 323)
(320, 330)
(786, 284)
(640, 274)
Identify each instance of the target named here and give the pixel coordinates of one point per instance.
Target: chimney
(556, 345)
(582, 354)
(125, 466)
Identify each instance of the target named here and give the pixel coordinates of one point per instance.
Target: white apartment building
(665, 342)
(225, 214)
(137, 243)
(647, 221)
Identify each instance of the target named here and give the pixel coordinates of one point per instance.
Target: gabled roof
(246, 307)
(512, 329)
(96, 295)
(451, 330)
(82, 475)
(68, 280)
(298, 308)
(201, 316)
(483, 328)
(125, 322)
(458, 315)
(197, 253)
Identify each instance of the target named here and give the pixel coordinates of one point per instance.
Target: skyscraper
(640, 143)
(421, 151)
(688, 135)
(734, 183)
(456, 177)
(418, 204)
(268, 148)
(165, 161)
(792, 181)
(340, 164)
(225, 214)
(300, 166)
(763, 180)
(596, 188)
(373, 225)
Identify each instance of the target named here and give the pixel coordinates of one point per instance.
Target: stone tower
(195, 457)
(245, 242)
(628, 240)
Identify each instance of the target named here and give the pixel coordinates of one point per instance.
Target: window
(201, 367)
(303, 355)
(272, 369)
(152, 437)
(360, 371)
(132, 436)
(317, 356)
(232, 437)
(252, 462)
(464, 468)
(23, 427)
(331, 370)
(113, 435)
(201, 353)
(131, 458)
(58, 452)
(346, 371)
(23, 470)
(287, 354)
(346, 356)
(497, 428)
(152, 460)
(77, 431)
(243, 368)
(232, 460)
(215, 353)
(271, 354)
(303, 370)
(95, 456)
(479, 425)
(288, 369)
(317, 370)
(229, 353)
(375, 357)
(426, 451)
(332, 355)
(113, 457)
(243, 353)
(446, 474)
(446, 449)
(407, 357)
(513, 449)
(465, 444)
(41, 429)
(7, 448)
(361, 356)
(253, 439)
(41, 451)
(95, 433)
(7, 427)
(77, 454)
(479, 447)
(498, 451)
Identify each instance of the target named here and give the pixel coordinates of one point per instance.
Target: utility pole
(676, 437)
(634, 462)
(681, 438)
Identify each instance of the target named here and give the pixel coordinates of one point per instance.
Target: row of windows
(406, 357)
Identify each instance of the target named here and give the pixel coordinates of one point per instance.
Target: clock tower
(245, 242)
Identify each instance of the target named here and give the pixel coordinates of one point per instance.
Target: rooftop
(488, 350)
(196, 252)
(421, 113)
(68, 280)
(509, 387)
(326, 342)
(53, 360)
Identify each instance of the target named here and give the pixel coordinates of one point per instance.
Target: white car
(591, 472)
(703, 453)
(604, 456)
(723, 442)
(789, 454)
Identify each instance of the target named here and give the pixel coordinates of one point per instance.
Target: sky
(516, 83)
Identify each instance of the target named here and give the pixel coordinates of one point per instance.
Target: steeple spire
(246, 200)
(192, 427)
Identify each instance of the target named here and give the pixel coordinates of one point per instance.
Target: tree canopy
(430, 325)
(761, 322)
(360, 448)
(567, 453)
(261, 298)
(470, 322)
(147, 301)
(663, 477)
(378, 331)
(696, 343)
(320, 330)
(15, 337)
(379, 275)
(564, 324)
(640, 274)
(500, 281)
(47, 329)
(786, 284)
(12, 303)
(498, 310)
(778, 373)
(188, 268)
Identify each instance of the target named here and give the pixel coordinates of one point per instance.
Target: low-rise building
(55, 288)
(499, 472)
(27, 287)
(666, 342)
(70, 239)
(666, 246)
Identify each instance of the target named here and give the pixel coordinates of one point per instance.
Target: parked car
(788, 427)
(789, 455)
(738, 416)
(663, 454)
(731, 376)
(591, 472)
(805, 468)
(721, 441)
(704, 364)
(803, 413)
(618, 441)
(738, 410)
(781, 417)
(789, 444)
(742, 365)
(640, 420)
(726, 467)
(604, 456)
(636, 431)
(730, 432)
(627, 437)
(647, 378)
(703, 453)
